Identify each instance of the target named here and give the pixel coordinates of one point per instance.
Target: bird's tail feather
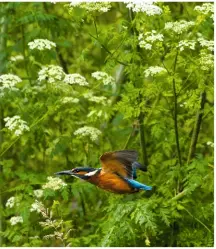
(138, 185)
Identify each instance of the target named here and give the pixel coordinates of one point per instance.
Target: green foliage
(179, 209)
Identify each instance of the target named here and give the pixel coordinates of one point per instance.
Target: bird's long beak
(65, 172)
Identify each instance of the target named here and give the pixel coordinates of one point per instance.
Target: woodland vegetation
(79, 80)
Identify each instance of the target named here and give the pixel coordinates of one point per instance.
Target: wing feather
(119, 162)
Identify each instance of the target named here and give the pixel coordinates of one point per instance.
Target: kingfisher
(116, 175)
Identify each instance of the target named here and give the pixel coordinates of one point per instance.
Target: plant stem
(142, 141)
(196, 129)
(59, 55)
(175, 116)
(24, 54)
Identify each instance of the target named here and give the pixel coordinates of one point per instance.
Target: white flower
(206, 61)
(54, 183)
(41, 44)
(149, 38)
(17, 124)
(206, 44)
(91, 132)
(179, 26)
(16, 219)
(9, 81)
(206, 8)
(104, 77)
(144, 6)
(38, 193)
(66, 100)
(17, 58)
(37, 206)
(10, 202)
(187, 44)
(51, 73)
(154, 70)
(75, 79)
(91, 7)
(96, 99)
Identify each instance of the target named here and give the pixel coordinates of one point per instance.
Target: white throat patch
(92, 173)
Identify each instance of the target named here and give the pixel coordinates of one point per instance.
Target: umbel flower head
(149, 38)
(144, 6)
(205, 9)
(187, 44)
(179, 27)
(11, 202)
(41, 44)
(104, 77)
(75, 79)
(16, 219)
(97, 99)
(9, 81)
(51, 73)
(91, 132)
(17, 124)
(154, 70)
(54, 183)
(91, 7)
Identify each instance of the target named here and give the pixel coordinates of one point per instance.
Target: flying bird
(116, 175)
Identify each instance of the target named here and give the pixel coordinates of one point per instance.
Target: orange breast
(111, 182)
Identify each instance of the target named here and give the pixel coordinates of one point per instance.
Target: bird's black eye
(75, 170)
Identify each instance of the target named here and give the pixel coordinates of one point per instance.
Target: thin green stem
(198, 221)
(24, 54)
(107, 50)
(175, 116)
(196, 129)
(142, 140)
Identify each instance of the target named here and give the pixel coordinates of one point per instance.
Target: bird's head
(80, 172)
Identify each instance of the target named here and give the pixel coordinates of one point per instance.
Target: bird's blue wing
(138, 185)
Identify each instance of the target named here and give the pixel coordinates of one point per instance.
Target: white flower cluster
(91, 7)
(154, 70)
(75, 79)
(54, 183)
(16, 219)
(37, 206)
(11, 202)
(66, 100)
(91, 132)
(206, 44)
(146, 40)
(51, 73)
(96, 99)
(17, 58)
(17, 124)
(56, 235)
(206, 8)
(187, 44)
(179, 26)
(41, 44)
(9, 81)
(210, 144)
(206, 61)
(144, 6)
(106, 79)
(38, 193)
